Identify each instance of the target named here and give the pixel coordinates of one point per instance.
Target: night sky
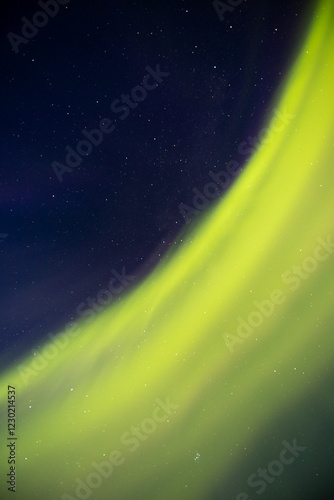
(166, 250)
(120, 207)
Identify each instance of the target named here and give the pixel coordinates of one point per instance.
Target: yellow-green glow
(174, 335)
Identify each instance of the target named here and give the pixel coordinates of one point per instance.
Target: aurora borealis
(220, 358)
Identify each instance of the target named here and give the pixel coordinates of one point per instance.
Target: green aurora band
(179, 337)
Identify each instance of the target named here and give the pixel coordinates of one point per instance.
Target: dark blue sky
(120, 206)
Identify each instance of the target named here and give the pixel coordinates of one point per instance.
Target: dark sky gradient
(120, 207)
